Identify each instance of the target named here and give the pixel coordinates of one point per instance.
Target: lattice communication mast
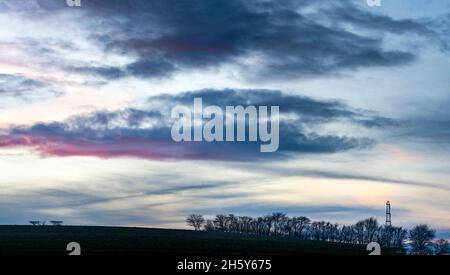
(388, 214)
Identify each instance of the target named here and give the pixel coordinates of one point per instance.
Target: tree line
(419, 239)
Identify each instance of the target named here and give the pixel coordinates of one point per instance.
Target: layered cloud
(12, 85)
(147, 133)
(283, 39)
(265, 40)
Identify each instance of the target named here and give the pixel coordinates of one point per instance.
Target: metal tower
(388, 213)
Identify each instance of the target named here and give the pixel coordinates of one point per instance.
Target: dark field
(48, 240)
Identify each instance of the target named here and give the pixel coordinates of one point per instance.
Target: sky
(86, 94)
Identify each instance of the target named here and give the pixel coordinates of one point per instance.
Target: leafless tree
(391, 236)
(399, 236)
(300, 224)
(359, 232)
(370, 229)
(317, 230)
(269, 224)
(220, 222)
(232, 223)
(280, 224)
(278, 220)
(195, 220)
(347, 234)
(442, 247)
(209, 226)
(260, 226)
(421, 237)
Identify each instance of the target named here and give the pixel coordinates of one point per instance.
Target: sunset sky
(86, 94)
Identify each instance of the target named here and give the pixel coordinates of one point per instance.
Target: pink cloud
(50, 146)
(116, 147)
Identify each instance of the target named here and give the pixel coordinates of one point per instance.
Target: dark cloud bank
(288, 39)
(146, 133)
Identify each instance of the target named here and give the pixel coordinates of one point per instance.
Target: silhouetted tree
(260, 226)
(209, 226)
(317, 230)
(220, 222)
(269, 224)
(232, 223)
(362, 232)
(278, 219)
(299, 225)
(332, 232)
(346, 234)
(244, 224)
(386, 235)
(370, 230)
(421, 237)
(442, 247)
(399, 236)
(359, 232)
(195, 220)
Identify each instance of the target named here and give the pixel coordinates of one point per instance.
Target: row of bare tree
(362, 232)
